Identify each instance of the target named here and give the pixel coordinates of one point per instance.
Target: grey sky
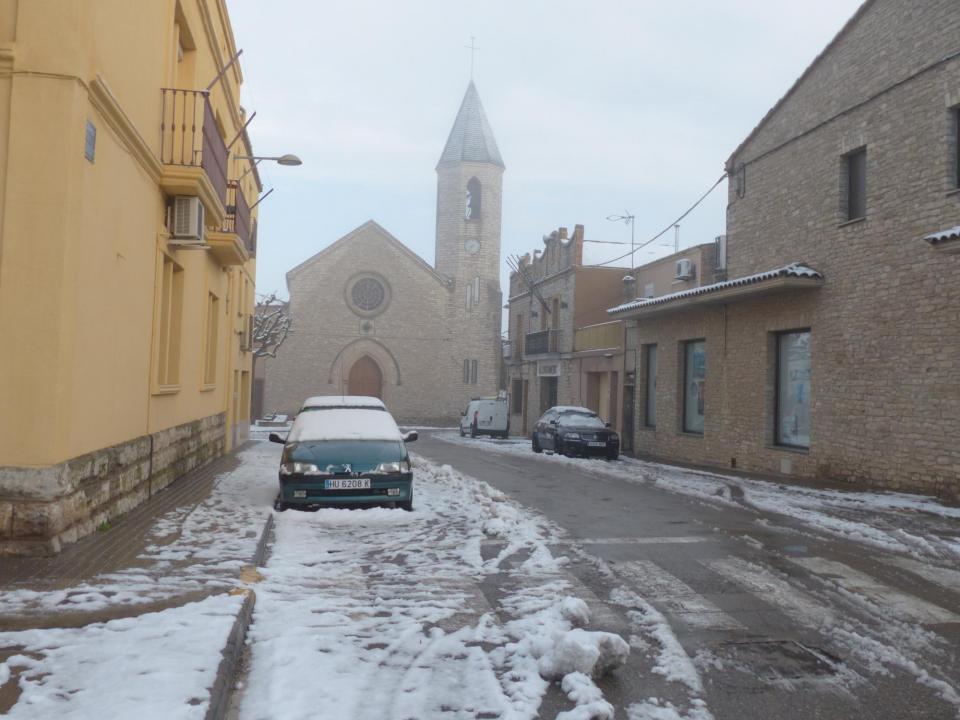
(597, 107)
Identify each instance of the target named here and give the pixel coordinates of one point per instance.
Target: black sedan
(575, 431)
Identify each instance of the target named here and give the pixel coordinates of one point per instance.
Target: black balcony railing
(238, 216)
(189, 136)
(540, 343)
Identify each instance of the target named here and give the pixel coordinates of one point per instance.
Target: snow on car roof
(573, 408)
(320, 401)
(340, 423)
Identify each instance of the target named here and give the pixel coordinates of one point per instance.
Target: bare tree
(271, 325)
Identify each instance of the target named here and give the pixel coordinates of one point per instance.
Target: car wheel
(279, 505)
(613, 456)
(462, 433)
(406, 504)
(535, 444)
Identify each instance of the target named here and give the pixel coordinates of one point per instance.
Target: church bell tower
(469, 191)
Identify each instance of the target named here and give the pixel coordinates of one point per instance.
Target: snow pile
(575, 611)
(580, 651)
(657, 709)
(590, 703)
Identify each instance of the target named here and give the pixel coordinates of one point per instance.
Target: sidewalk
(169, 574)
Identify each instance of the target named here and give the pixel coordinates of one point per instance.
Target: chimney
(629, 288)
(563, 233)
(578, 244)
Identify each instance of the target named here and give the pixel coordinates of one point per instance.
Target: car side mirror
(553, 422)
(275, 437)
(607, 425)
(411, 436)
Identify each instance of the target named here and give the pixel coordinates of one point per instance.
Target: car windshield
(360, 454)
(580, 420)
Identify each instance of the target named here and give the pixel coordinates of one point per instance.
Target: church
(371, 317)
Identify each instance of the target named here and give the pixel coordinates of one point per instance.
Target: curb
(222, 689)
(223, 685)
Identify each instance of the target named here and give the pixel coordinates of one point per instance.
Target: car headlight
(403, 466)
(299, 468)
(571, 436)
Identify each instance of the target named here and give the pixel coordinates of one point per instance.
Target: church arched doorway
(365, 378)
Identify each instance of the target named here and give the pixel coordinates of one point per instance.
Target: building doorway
(548, 393)
(365, 378)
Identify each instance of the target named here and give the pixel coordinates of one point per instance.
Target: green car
(344, 450)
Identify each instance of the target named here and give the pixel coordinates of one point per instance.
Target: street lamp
(279, 159)
(628, 219)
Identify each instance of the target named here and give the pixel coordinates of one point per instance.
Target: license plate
(347, 484)
(597, 444)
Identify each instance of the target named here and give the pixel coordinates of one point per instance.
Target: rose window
(367, 294)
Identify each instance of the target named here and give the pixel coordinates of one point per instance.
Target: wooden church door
(365, 378)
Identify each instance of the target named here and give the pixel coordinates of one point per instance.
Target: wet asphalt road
(780, 620)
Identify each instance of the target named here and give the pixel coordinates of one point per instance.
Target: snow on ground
(914, 525)
(158, 665)
(381, 614)
(190, 550)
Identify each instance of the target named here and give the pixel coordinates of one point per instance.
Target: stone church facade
(371, 317)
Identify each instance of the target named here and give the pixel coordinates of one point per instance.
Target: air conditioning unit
(684, 269)
(186, 223)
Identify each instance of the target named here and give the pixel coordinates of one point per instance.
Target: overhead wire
(668, 227)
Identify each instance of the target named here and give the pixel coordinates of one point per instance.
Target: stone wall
(43, 508)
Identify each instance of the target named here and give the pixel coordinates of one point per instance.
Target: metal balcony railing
(541, 343)
(189, 136)
(238, 216)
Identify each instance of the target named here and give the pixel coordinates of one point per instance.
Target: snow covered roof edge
(796, 270)
(944, 235)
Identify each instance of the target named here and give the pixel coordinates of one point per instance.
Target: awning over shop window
(791, 276)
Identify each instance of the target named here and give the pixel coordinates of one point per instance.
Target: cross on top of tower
(472, 48)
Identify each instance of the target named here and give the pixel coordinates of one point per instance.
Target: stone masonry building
(833, 349)
(370, 317)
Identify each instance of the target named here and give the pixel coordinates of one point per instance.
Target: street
(852, 613)
(504, 594)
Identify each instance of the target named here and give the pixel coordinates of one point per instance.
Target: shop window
(694, 384)
(793, 389)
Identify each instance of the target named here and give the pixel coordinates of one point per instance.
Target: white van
(486, 416)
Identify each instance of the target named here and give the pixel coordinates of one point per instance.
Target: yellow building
(126, 257)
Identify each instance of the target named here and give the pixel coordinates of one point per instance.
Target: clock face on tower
(472, 246)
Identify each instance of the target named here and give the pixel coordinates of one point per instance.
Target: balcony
(192, 152)
(603, 336)
(542, 343)
(233, 244)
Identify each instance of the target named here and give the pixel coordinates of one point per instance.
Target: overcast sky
(598, 107)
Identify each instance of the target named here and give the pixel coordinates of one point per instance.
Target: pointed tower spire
(471, 139)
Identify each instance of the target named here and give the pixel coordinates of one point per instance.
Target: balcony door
(365, 378)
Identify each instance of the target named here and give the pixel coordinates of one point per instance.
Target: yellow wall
(80, 242)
